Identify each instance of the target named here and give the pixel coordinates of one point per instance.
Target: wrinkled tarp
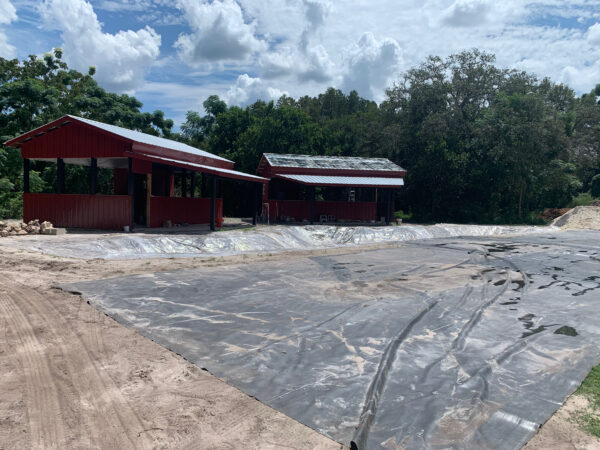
(265, 240)
(444, 343)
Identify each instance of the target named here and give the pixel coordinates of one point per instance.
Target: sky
(173, 54)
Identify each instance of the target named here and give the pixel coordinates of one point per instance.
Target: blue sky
(173, 54)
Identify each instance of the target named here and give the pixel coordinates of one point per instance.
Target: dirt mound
(553, 213)
(580, 217)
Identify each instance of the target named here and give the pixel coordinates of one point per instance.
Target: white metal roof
(227, 173)
(318, 180)
(148, 139)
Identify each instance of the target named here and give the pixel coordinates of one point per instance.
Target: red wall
(74, 141)
(79, 211)
(183, 210)
(300, 209)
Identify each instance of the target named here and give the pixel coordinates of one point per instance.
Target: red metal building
(144, 169)
(329, 188)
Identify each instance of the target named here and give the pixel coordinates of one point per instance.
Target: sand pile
(580, 217)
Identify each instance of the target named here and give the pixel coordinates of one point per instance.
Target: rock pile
(22, 228)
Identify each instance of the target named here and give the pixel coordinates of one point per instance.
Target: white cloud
(371, 66)
(120, 59)
(466, 13)
(301, 60)
(304, 65)
(247, 90)
(219, 33)
(8, 14)
(593, 34)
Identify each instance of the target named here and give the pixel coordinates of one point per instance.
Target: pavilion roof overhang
(193, 167)
(341, 181)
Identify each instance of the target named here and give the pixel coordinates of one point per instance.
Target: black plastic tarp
(444, 343)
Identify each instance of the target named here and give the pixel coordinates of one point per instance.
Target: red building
(144, 168)
(329, 188)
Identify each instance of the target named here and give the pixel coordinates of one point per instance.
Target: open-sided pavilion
(349, 189)
(144, 168)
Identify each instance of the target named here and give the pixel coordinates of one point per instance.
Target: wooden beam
(148, 197)
(60, 176)
(131, 190)
(94, 176)
(213, 203)
(192, 184)
(312, 204)
(26, 169)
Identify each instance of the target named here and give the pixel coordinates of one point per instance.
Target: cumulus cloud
(371, 65)
(120, 59)
(219, 33)
(304, 65)
(593, 34)
(8, 14)
(466, 13)
(303, 61)
(316, 12)
(247, 90)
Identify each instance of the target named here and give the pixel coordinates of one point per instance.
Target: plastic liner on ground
(265, 240)
(444, 343)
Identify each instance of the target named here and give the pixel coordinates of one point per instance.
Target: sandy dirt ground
(561, 431)
(70, 377)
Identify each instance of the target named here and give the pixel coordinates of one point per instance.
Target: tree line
(480, 144)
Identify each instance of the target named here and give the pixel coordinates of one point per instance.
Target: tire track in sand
(85, 399)
(43, 405)
(114, 421)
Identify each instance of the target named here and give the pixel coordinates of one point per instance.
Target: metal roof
(148, 139)
(331, 162)
(226, 173)
(318, 180)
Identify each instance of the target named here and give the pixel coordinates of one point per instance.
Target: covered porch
(147, 192)
(326, 199)
(155, 181)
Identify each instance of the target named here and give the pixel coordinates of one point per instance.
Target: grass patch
(590, 424)
(590, 389)
(583, 199)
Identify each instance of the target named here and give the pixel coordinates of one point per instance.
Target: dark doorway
(140, 193)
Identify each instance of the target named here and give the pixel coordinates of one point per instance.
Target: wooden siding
(74, 141)
(111, 212)
(183, 210)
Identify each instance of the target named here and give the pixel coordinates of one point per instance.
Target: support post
(312, 204)
(148, 197)
(60, 176)
(192, 184)
(94, 176)
(213, 203)
(256, 193)
(26, 169)
(131, 190)
(171, 187)
(183, 183)
(388, 215)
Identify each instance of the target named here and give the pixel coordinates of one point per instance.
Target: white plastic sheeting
(262, 240)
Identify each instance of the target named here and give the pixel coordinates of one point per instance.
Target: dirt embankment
(71, 377)
(580, 217)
